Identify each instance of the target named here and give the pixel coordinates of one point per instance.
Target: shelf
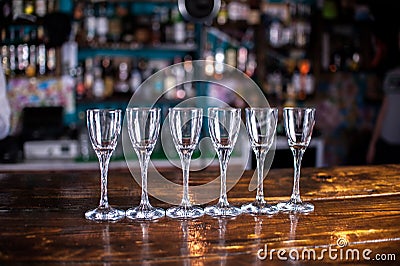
(134, 1)
(152, 52)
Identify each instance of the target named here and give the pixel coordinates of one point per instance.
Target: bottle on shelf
(242, 55)
(101, 23)
(190, 33)
(136, 77)
(222, 16)
(69, 54)
(41, 59)
(219, 60)
(12, 58)
(6, 13)
(165, 26)
(108, 76)
(29, 7)
(40, 8)
(98, 90)
(51, 61)
(156, 28)
(238, 10)
(5, 61)
(51, 6)
(114, 24)
(88, 77)
(145, 70)
(31, 68)
(178, 26)
(169, 84)
(90, 23)
(231, 56)
(179, 73)
(80, 90)
(17, 8)
(209, 59)
(122, 86)
(22, 57)
(188, 67)
(251, 64)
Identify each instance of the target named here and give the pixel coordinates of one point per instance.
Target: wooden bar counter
(356, 221)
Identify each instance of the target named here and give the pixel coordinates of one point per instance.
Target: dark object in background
(199, 10)
(284, 158)
(58, 27)
(42, 123)
(386, 153)
(11, 150)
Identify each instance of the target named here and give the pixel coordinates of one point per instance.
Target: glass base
(185, 212)
(259, 208)
(291, 206)
(145, 213)
(105, 214)
(219, 210)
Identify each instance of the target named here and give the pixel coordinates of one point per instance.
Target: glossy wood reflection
(42, 219)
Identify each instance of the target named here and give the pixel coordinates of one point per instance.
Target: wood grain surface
(42, 221)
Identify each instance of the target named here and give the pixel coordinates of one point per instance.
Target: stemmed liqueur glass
(299, 123)
(185, 126)
(261, 127)
(143, 129)
(224, 125)
(104, 127)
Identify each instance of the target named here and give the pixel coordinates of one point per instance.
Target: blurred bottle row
(13, 10)
(23, 38)
(99, 22)
(287, 24)
(108, 23)
(102, 77)
(28, 59)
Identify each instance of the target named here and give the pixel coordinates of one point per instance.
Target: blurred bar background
(61, 57)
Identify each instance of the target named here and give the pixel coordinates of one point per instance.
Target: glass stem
(298, 156)
(223, 155)
(144, 162)
(260, 157)
(104, 159)
(185, 158)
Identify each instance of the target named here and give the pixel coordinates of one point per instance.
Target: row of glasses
(185, 126)
(261, 127)
(143, 130)
(104, 127)
(224, 125)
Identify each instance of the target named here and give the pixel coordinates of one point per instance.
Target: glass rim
(224, 108)
(108, 110)
(143, 108)
(261, 108)
(185, 108)
(299, 108)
